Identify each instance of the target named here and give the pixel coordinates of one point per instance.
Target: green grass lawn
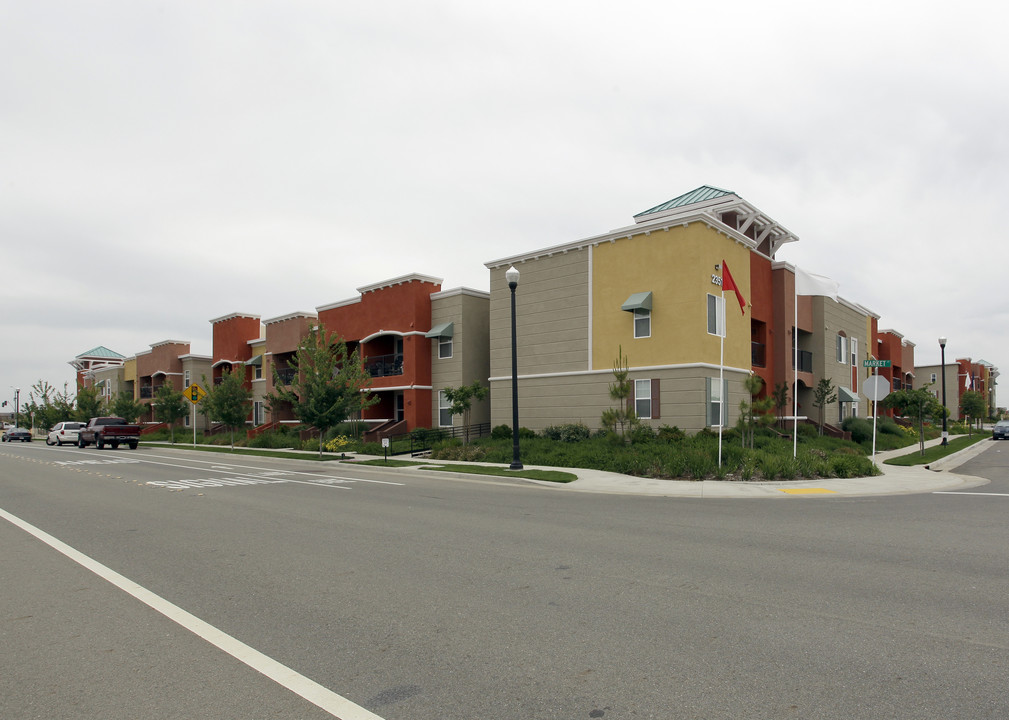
(936, 452)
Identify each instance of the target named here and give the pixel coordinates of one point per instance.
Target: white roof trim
(645, 228)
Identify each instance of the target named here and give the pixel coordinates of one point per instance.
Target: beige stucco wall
(582, 397)
(830, 318)
(469, 312)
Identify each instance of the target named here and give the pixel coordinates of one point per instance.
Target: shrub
(457, 451)
(642, 434)
(887, 426)
(699, 463)
(501, 432)
(525, 433)
(671, 434)
(860, 429)
(569, 432)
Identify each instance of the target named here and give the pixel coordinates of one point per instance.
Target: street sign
(875, 363)
(875, 387)
(194, 393)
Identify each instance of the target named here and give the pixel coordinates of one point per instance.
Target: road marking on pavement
(956, 492)
(320, 696)
(808, 491)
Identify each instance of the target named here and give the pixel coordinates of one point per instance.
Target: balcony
(758, 354)
(805, 361)
(146, 392)
(286, 375)
(384, 365)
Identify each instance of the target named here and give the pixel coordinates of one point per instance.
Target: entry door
(400, 407)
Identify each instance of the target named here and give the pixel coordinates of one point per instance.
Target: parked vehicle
(102, 431)
(64, 432)
(15, 433)
(1001, 430)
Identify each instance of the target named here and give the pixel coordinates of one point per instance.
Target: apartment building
(652, 292)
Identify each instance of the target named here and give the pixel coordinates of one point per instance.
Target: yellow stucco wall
(676, 266)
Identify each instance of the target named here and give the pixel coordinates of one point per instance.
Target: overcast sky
(166, 163)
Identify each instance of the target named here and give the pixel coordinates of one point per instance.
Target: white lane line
(235, 466)
(320, 696)
(955, 492)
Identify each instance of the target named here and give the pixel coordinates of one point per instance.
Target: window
(715, 400)
(444, 347)
(716, 315)
(642, 323)
(842, 348)
(444, 410)
(643, 399)
(854, 352)
(933, 377)
(185, 382)
(257, 372)
(258, 416)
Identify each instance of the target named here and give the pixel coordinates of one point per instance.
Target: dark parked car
(14, 433)
(1001, 430)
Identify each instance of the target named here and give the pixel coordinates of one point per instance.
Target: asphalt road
(412, 595)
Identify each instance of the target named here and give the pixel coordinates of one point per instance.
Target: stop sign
(875, 387)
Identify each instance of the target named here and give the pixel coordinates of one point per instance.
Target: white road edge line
(322, 697)
(958, 492)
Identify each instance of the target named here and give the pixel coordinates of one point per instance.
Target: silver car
(1001, 430)
(64, 432)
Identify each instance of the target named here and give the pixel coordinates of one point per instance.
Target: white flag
(810, 284)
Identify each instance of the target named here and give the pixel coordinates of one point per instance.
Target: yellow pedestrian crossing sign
(194, 393)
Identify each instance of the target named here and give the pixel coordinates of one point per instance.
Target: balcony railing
(384, 365)
(286, 375)
(758, 354)
(805, 361)
(146, 393)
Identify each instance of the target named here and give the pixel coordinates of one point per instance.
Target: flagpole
(795, 369)
(721, 382)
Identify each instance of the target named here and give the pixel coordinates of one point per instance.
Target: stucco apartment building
(413, 338)
(652, 292)
(962, 375)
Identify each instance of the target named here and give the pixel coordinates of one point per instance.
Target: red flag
(729, 284)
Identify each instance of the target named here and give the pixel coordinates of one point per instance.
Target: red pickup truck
(102, 431)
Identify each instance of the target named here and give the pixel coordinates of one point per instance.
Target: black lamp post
(512, 276)
(17, 407)
(942, 350)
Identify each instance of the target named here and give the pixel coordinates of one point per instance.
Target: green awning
(846, 395)
(258, 360)
(638, 301)
(440, 331)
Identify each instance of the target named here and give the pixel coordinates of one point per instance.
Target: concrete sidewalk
(894, 481)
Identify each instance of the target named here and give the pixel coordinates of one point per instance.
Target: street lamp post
(942, 351)
(512, 276)
(17, 407)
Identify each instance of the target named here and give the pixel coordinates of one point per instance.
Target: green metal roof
(101, 352)
(443, 330)
(701, 194)
(638, 301)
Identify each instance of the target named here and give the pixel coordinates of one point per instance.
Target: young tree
(89, 404)
(621, 390)
(972, 405)
(755, 413)
(780, 395)
(823, 395)
(170, 406)
(126, 407)
(229, 402)
(917, 405)
(329, 384)
(462, 400)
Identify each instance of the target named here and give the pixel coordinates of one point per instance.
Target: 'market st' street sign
(875, 363)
